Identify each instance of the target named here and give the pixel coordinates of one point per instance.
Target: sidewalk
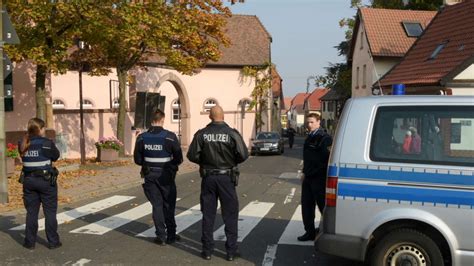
(76, 183)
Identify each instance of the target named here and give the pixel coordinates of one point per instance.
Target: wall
(24, 104)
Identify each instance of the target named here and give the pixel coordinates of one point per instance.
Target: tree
(123, 35)
(263, 83)
(46, 29)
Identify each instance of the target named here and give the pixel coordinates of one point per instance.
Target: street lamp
(82, 143)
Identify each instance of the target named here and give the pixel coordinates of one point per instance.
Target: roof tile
(454, 25)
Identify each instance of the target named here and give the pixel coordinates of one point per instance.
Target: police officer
(218, 149)
(39, 183)
(315, 163)
(291, 136)
(159, 153)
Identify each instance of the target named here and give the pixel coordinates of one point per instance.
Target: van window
(424, 134)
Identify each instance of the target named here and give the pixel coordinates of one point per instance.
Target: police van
(400, 188)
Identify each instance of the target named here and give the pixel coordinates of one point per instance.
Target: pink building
(219, 82)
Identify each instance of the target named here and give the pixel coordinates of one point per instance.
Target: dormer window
(413, 29)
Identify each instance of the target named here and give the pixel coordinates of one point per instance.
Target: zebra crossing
(249, 217)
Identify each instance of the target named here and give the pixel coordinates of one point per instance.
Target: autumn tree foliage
(46, 30)
(183, 35)
(119, 36)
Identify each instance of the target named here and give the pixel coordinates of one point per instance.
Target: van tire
(409, 242)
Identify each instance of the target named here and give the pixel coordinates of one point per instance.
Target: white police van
(400, 187)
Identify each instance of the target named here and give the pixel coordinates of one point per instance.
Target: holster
(145, 171)
(235, 175)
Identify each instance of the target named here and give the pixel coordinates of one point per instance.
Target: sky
(304, 34)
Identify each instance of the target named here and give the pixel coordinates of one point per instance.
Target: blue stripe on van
(332, 171)
(391, 175)
(406, 194)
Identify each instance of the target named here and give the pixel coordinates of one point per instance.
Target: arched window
(175, 110)
(86, 103)
(246, 103)
(208, 104)
(58, 104)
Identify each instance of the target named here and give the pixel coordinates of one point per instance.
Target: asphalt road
(113, 229)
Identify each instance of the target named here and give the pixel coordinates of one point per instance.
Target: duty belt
(209, 172)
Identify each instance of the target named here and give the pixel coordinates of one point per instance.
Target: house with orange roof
(313, 101)
(380, 39)
(441, 61)
(296, 112)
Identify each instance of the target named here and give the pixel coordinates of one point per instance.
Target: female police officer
(39, 183)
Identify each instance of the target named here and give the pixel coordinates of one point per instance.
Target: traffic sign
(9, 32)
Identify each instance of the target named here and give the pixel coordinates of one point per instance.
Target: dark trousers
(220, 187)
(37, 191)
(313, 192)
(162, 196)
(291, 140)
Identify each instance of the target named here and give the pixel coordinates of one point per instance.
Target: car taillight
(331, 191)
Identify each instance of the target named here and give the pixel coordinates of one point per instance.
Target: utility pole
(8, 35)
(3, 170)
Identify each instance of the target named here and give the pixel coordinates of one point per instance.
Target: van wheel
(406, 247)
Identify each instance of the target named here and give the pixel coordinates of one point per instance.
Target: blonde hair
(34, 129)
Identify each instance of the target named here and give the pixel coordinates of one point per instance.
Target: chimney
(451, 2)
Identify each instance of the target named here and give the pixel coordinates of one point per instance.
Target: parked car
(267, 142)
(400, 187)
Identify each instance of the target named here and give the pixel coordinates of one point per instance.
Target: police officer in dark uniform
(159, 153)
(218, 149)
(39, 183)
(315, 163)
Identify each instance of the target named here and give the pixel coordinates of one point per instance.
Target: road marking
(81, 262)
(290, 196)
(108, 224)
(289, 175)
(94, 207)
(103, 226)
(301, 162)
(183, 221)
(249, 217)
(295, 228)
(270, 255)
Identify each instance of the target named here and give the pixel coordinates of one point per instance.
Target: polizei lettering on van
(216, 137)
(155, 147)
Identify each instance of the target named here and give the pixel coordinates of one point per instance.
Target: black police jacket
(170, 146)
(40, 154)
(217, 146)
(316, 154)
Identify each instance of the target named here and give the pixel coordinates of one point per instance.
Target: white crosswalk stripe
(249, 217)
(183, 221)
(108, 224)
(295, 228)
(103, 226)
(94, 207)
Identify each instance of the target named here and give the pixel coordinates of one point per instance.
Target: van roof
(414, 99)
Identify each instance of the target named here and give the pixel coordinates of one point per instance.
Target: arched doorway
(185, 114)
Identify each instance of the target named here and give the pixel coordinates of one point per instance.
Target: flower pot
(108, 155)
(10, 166)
